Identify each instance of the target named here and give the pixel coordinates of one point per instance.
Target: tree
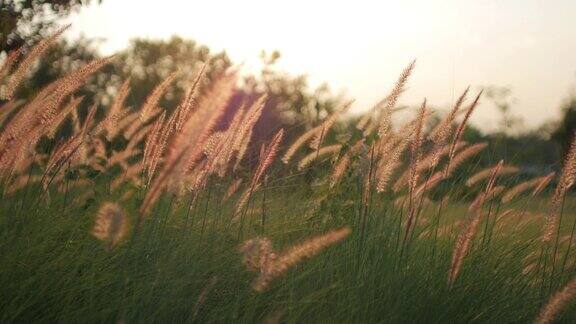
(566, 129)
(149, 62)
(501, 99)
(23, 22)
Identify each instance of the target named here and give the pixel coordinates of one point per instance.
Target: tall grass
(394, 227)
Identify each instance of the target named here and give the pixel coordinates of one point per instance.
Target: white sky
(361, 46)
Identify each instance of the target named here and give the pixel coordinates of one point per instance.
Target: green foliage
(25, 21)
(530, 150)
(500, 97)
(567, 126)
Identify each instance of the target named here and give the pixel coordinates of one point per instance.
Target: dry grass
(259, 255)
(111, 224)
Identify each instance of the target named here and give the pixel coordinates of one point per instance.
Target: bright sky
(361, 46)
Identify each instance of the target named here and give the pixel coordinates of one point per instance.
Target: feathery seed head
(111, 224)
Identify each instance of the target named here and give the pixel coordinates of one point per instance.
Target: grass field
(394, 224)
(184, 266)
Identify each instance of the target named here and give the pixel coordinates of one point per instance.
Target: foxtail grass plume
(111, 224)
(207, 116)
(557, 303)
(228, 150)
(258, 255)
(116, 112)
(188, 104)
(9, 62)
(266, 160)
(460, 129)
(61, 117)
(428, 162)
(36, 52)
(20, 182)
(173, 133)
(364, 120)
(299, 142)
(184, 150)
(327, 125)
(389, 162)
(311, 157)
(268, 157)
(203, 295)
(565, 182)
(568, 177)
(315, 135)
(525, 186)
(429, 184)
(151, 145)
(483, 174)
(384, 124)
(232, 189)
(465, 238)
(342, 164)
(463, 156)
(123, 123)
(543, 183)
(246, 127)
(62, 153)
(150, 107)
(19, 138)
(7, 109)
(416, 147)
(441, 132)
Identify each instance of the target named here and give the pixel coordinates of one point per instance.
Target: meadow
(148, 215)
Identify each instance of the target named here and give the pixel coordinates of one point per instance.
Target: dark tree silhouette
(566, 129)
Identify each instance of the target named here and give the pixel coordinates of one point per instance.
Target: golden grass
(17, 76)
(258, 255)
(469, 230)
(557, 303)
(111, 224)
(266, 160)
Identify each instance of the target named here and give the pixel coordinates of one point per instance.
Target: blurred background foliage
(23, 22)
